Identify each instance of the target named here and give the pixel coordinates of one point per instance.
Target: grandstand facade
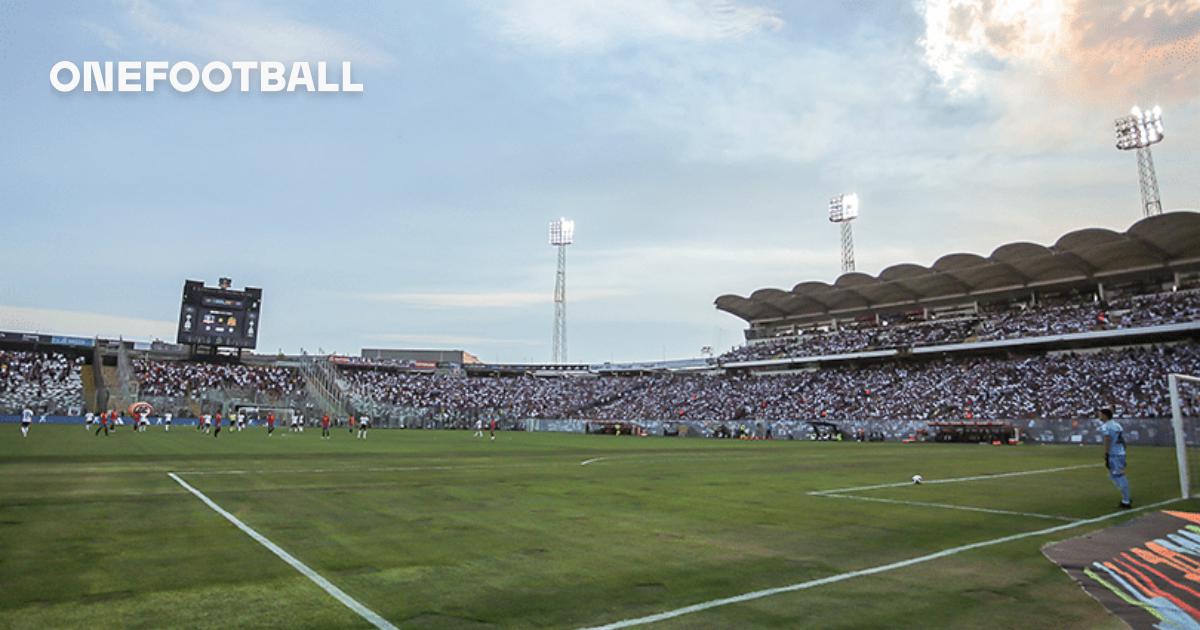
(1159, 253)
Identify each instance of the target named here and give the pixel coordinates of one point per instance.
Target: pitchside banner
(1147, 571)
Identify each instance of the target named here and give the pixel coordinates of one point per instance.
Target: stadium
(613, 491)
(990, 417)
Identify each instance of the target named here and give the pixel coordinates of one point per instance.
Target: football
(917, 479)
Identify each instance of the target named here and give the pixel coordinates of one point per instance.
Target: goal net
(1185, 421)
(256, 415)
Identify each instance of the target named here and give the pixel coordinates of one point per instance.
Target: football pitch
(438, 529)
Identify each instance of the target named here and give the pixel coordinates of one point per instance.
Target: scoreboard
(219, 316)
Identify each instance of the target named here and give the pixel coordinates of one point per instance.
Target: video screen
(212, 316)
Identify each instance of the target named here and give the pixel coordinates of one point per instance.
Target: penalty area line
(898, 484)
(841, 577)
(862, 573)
(366, 613)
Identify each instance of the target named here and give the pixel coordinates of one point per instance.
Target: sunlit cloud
(964, 38)
(1095, 50)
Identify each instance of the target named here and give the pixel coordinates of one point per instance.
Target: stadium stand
(45, 382)
(1034, 336)
(388, 393)
(183, 378)
(1009, 322)
(1090, 281)
(188, 388)
(1062, 385)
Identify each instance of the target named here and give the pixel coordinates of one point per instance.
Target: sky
(695, 143)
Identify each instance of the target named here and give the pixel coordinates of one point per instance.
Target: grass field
(440, 530)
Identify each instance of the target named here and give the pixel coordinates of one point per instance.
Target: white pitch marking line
(744, 597)
(1019, 473)
(351, 603)
(950, 506)
(594, 459)
(264, 471)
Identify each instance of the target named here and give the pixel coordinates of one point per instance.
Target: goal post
(1180, 408)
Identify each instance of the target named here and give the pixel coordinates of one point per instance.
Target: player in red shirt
(270, 424)
(325, 426)
(216, 424)
(492, 428)
(103, 423)
(351, 423)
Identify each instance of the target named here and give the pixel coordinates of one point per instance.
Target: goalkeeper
(1114, 455)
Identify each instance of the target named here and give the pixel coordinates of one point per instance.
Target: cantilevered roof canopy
(1162, 242)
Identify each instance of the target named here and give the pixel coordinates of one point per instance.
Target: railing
(98, 383)
(126, 379)
(324, 386)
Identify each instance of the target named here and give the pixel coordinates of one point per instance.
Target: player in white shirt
(88, 419)
(143, 421)
(166, 420)
(479, 428)
(241, 421)
(206, 421)
(300, 422)
(26, 420)
(364, 423)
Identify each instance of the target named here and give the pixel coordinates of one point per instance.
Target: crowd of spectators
(186, 378)
(1010, 322)
(858, 339)
(1165, 308)
(889, 396)
(1061, 385)
(44, 382)
(520, 396)
(1064, 385)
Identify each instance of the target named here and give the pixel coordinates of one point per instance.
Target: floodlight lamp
(1140, 129)
(562, 231)
(843, 208)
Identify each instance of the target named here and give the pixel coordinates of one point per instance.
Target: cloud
(108, 36)
(696, 273)
(595, 25)
(757, 104)
(965, 38)
(487, 299)
(83, 323)
(237, 31)
(450, 339)
(1053, 74)
(1095, 50)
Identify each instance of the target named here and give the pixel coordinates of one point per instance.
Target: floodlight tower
(562, 233)
(844, 209)
(1138, 131)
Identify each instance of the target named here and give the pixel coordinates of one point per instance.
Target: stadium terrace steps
(89, 387)
(326, 389)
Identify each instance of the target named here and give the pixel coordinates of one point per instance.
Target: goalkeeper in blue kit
(1114, 455)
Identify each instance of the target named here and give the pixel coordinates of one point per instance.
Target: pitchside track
(441, 530)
